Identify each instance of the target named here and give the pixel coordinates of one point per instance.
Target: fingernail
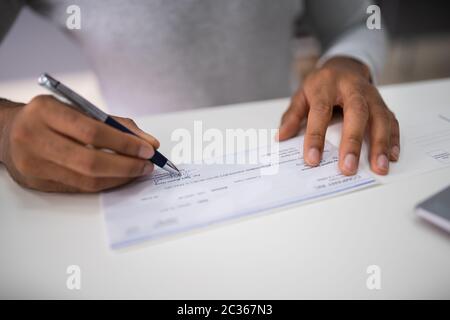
(147, 169)
(395, 152)
(313, 156)
(350, 162)
(146, 152)
(383, 162)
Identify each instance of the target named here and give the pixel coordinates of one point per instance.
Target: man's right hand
(48, 146)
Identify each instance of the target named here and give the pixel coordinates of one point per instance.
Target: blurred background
(419, 31)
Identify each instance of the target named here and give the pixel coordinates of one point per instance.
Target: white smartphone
(436, 209)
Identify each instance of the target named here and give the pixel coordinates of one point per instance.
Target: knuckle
(354, 80)
(393, 118)
(372, 92)
(19, 134)
(24, 165)
(37, 104)
(129, 146)
(396, 121)
(91, 185)
(40, 100)
(26, 183)
(382, 114)
(361, 113)
(128, 121)
(322, 108)
(359, 109)
(396, 126)
(89, 133)
(355, 97)
(89, 164)
(71, 116)
(354, 139)
(137, 168)
(315, 136)
(31, 110)
(326, 74)
(393, 114)
(381, 141)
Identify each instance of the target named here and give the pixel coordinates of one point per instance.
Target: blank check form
(204, 194)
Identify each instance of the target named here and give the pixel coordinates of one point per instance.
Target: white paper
(164, 204)
(425, 145)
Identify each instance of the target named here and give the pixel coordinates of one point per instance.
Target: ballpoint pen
(89, 109)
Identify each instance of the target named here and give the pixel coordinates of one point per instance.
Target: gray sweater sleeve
(342, 31)
(9, 9)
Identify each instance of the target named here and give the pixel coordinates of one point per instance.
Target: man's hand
(48, 146)
(346, 83)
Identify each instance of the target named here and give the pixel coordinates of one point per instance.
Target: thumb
(293, 117)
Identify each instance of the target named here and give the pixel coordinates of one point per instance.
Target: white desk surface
(317, 250)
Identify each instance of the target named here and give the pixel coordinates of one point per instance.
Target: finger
(395, 140)
(380, 138)
(356, 116)
(47, 186)
(88, 161)
(130, 124)
(293, 117)
(27, 180)
(82, 183)
(36, 173)
(320, 102)
(48, 176)
(89, 131)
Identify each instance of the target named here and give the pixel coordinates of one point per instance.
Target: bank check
(204, 194)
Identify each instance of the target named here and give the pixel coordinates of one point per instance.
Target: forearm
(7, 111)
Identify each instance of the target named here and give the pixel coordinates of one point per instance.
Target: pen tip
(172, 166)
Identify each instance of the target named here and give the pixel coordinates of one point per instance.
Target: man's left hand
(346, 83)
